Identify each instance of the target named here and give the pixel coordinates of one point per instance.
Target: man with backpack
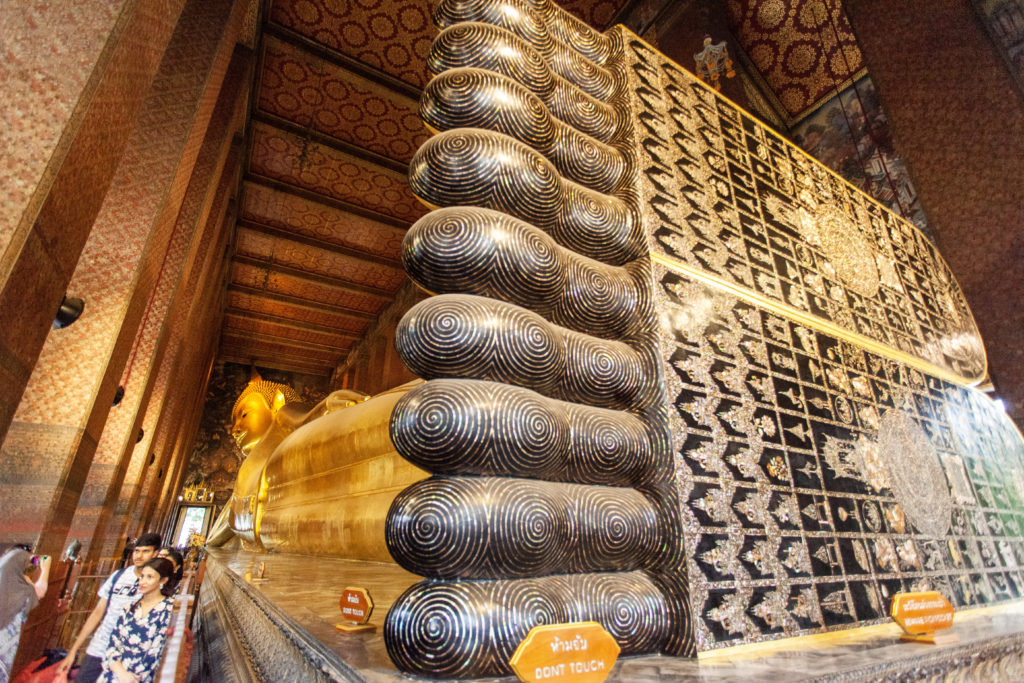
(116, 594)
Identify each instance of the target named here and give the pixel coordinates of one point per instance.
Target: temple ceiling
(804, 49)
(325, 202)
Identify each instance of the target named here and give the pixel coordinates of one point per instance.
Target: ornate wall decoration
(850, 134)
(803, 48)
(826, 461)
(730, 200)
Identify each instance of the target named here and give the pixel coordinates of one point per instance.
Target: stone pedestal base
(283, 629)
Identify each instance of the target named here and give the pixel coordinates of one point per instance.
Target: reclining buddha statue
(315, 479)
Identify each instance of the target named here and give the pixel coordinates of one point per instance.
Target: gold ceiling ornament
(771, 13)
(197, 492)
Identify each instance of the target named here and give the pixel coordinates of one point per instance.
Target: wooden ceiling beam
(276, 363)
(293, 344)
(343, 61)
(317, 243)
(309, 304)
(300, 274)
(289, 322)
(329, 141)
(326, 200)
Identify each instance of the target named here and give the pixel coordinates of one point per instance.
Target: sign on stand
(572, 653)
(920, 615)
(356, 608)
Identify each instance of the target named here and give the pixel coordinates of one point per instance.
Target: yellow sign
(356, 607)
(920, 615)
(578, 653)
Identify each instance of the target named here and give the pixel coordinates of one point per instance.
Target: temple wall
(957, 115)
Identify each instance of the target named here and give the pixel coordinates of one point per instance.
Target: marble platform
(282, 628)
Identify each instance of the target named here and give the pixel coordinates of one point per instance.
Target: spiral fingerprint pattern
(487, 47)
(613, 531)
(470, 630)
(457, 335)
(479, 251)
(506, 527)
(542, 421)
(426, 521)
(525, 603)
(441, 631)
(581, 72)
(472, 427)
(515, 16)
(549, 30)
(577, 34)
(475, 98)
(475, 167)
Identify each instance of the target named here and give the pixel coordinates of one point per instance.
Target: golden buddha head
(253, 413)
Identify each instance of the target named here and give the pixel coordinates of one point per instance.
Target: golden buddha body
(317, 480)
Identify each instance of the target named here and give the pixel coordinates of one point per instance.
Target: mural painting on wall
(215, 455)
(1004, 20)
(850, 134)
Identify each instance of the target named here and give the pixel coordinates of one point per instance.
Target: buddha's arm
(292, 416)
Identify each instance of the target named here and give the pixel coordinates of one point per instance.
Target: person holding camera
(23, 582)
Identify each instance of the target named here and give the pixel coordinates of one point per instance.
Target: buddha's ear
(279, 401)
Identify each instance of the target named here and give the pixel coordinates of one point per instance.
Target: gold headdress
(276, 394)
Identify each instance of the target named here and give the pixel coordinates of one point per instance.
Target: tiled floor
(308, 589)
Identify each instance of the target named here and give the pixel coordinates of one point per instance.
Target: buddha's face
(250, 421)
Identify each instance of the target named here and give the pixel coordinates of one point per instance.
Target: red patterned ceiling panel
(259, 304)
(389, 35)
(255, 277)
(803, 48)
(597, 13)
(234, 321)
(302, 216)
(311, 92)
(318, 261)
(276, 154)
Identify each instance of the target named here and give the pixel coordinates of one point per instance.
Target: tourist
(171, 553)
(23, 581)
(116, 594)
(137, 642)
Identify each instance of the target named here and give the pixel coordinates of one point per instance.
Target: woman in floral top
(137, 642)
